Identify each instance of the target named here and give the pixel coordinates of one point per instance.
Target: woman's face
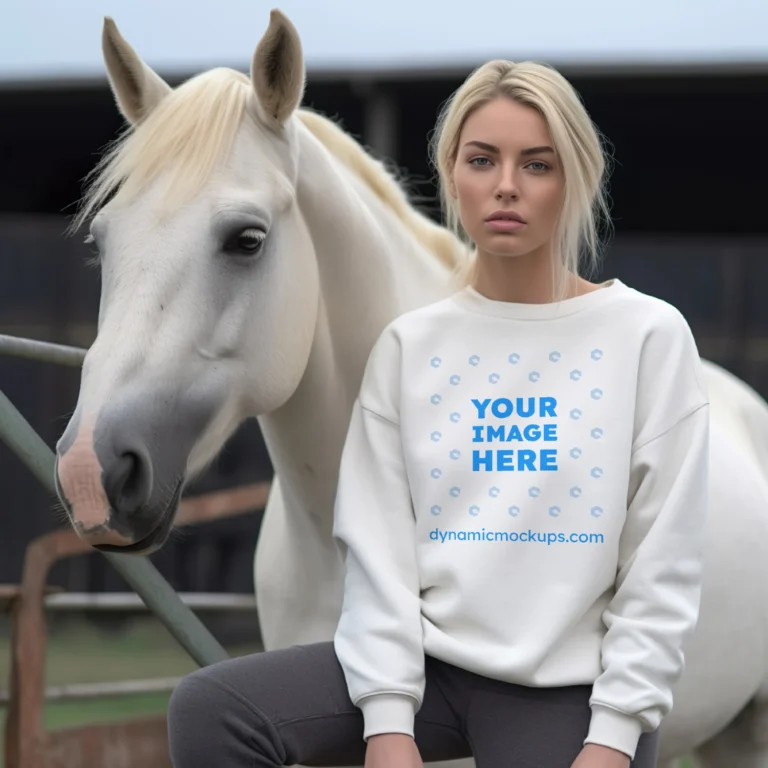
(506, 168)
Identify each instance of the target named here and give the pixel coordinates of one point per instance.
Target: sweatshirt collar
(470, 299)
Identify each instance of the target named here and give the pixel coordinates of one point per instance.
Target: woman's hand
(393, 750)
(597, 756)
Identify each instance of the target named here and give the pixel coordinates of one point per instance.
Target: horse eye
(248, 242)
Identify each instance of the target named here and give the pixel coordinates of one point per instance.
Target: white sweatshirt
(522, 494)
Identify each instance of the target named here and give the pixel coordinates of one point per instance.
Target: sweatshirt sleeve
(378, 640)
(655, 607)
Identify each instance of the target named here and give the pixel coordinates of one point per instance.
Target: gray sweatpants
(291, 706)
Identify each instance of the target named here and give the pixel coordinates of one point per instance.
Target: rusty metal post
(25, 745)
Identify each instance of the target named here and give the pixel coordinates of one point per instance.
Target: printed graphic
(524, 421)
(507, 448)
(523, 537)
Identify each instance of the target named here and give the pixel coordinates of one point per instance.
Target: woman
(521, 495)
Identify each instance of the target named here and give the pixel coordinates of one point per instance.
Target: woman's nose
(507, 187)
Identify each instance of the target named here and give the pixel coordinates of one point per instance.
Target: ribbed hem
(388, 713)
(614, 729)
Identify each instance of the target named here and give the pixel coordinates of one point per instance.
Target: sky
(49, 39)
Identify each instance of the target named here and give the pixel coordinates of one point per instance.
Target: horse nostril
(128, 483)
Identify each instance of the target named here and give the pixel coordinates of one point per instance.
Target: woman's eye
(541, 166)
(248, 242)
(474, 161)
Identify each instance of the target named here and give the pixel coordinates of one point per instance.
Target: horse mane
(195, 125)
(384, 185)
(187, 132)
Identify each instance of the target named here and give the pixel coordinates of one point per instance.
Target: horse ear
(136, 87)
(277, 69)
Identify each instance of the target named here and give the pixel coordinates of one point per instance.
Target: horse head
(209, 284)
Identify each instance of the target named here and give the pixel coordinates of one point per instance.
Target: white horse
(251, 253)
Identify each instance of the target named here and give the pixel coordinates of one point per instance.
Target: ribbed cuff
(614, 729)
(388, 713)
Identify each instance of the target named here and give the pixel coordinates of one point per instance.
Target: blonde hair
(577, 142)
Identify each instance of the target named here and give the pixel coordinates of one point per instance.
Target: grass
(64, 715)
(78, 653)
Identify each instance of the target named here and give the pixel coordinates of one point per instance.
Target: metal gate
(25, 743)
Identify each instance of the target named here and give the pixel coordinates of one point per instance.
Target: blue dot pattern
(579, 396)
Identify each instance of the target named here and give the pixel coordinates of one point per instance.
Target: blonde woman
(521, 495)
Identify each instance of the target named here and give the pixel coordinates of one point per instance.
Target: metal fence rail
(139, 572)
(41, 350)
(90, 691)
(65, 602)
(121, 601)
